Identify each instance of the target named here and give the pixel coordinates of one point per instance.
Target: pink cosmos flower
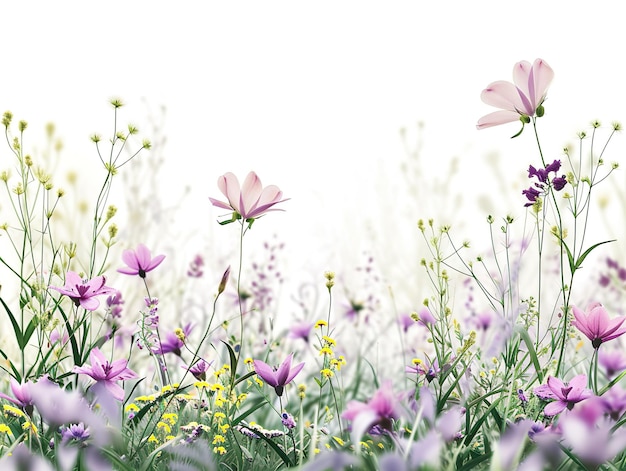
(521, 99)
(249, 201)
(106, 374)
(596, 325)
(279, 377)
(566, 394)
(83, 292)
(139, 261)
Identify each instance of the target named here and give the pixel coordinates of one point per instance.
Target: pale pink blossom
(522, 98)
(250, 200)
(596, 324)
(140, 261)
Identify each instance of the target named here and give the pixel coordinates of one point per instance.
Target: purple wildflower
(543, 176)
(199, 369)
(613, 361)
(75, 433)
(301, 330)
(83, 292)
(106, 374)
(173, 341)
(566, 394)
(279, 377)
(139, 261)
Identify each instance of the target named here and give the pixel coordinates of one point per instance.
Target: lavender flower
(279, 377)
(83, 292)
(106, 374)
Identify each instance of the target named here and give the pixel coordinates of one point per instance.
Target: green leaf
(588, 251)
(16, 326)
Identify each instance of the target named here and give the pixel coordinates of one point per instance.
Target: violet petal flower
(172, 343)
(566, 394)
(107, 374)
(380, 411)
(520, 98)
(249, 201)
(83, 292)
(596, 325)
(139, 261)
(280, 377)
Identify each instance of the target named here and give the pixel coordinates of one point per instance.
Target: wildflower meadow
(119, 351)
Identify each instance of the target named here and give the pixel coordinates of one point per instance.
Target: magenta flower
(566, 394)
(596, 325)
(83, 292)
(106, 374)
(174, 341)
(139, 261)
(249, 201)
(613, 361)
(198, 369)
(379, 411)
(518, 100)
(22, 395)
(279, 377)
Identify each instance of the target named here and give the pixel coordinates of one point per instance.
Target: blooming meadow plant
(115, 357)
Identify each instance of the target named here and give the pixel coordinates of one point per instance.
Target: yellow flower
(153, 439)
(132, 407)
(326, 351)
(248, 361)
(327, 372)
(219, 450)
(339, 441)
(201, 384)
(219, 416)
(149, 398)
(170, 417)
(12, 411)
(5, 429)
(321, 323)
(330, 341)
(29, 425)
(218, 439)
(217, 387)
(164, 426)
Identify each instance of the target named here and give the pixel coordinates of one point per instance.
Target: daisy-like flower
(596, 325)
(521, 99)
(566, 394)
(106, 374)
(83, 292)
(279, 377)
(249, 201)
(139, 261)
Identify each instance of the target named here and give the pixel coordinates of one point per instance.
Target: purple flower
(199, 369)
(75, 433)
(288, 420)
(139, 261)
(195, 267)
(596, 325)
(107, 374)
(543, 175)
(173, 341)
(22, 395)
(301, 330)
(566, 394)
(613, 361)
(83, 292)
(379, 411)
(114, 304)
(279, 377)
(614, 402)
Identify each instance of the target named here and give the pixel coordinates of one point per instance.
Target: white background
(312, 95)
